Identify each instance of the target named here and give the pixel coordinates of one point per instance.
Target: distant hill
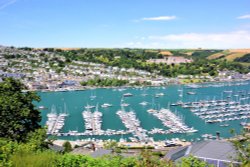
(233, 55)
(244, 59)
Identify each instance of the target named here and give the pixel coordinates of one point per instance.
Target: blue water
(76, 100)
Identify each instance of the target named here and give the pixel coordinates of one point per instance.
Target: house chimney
(218, 135)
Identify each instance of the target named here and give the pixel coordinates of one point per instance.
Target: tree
(147, 159)
(242, 145)
(110, 145)
(67, 147)
(37, 139)
(191, 161)
(17, 112)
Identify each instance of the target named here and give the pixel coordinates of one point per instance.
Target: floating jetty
(217, 111)
(172, 121)
(133, 125)
(55, 122)
(93, 122)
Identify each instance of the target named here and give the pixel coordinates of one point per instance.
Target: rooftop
(215, 150)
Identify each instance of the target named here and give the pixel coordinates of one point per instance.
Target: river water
(76, 100)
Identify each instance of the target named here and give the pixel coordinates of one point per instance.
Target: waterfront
(75, 101)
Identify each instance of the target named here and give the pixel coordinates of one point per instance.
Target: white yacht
(127, 94)
(106, 105)
(151, 110)
(125, 104)
(144, 103)
(89, 107)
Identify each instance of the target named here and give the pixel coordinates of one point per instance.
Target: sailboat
(152, 108)
(122, 139)
(181, 92)
(244, 123)
(92, 96)
(123, 104)
(53, 112)
(144, 93)
(106, 105)
(97, 108)
(89, 106)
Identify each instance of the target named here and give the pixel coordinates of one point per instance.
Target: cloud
(6, 3)
(244, 17)
(159, 18)
(236, 39)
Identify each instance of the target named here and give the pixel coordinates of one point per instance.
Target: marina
(93, 122)
(219, 111)
(173, 122)
(55, 122)
(175, 114)
(133, 125)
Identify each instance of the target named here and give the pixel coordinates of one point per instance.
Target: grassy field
(216, 56)
(230, 55)
(233, 56)
(166, 53)
(246, 64)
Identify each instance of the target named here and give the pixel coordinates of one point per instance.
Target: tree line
(127, 58)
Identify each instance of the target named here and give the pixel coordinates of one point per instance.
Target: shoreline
(121, 87)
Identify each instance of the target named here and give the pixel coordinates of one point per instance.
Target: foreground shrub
(31, 159)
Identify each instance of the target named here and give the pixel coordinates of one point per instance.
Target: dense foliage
(67, 147)
(23, 155)
(204, 53)
(242, 144)
(244, 59)
(193, 162)
(137, 58)
(104, 82)
(18, 116)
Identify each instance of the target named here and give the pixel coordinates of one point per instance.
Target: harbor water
(73, 102)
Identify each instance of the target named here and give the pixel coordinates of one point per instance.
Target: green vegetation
(193, 162)
(137, 58)
(34, 159)
(18, 115)
(205, 61)
(112, 82)
(179, 53)
(13, 154)
(244, 59)
(67, 147)
(104, 82)
(242, 144)
(204, 53)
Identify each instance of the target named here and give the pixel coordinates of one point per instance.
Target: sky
(166, 24)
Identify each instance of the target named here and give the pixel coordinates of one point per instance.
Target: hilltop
(231, 55)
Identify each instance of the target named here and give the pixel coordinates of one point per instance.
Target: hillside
(230, 55)
(244, 59)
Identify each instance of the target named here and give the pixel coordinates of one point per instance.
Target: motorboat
(106, 105)
(127, 94)
(144, 103)
(191, 93)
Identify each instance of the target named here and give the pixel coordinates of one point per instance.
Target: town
(42, 69)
